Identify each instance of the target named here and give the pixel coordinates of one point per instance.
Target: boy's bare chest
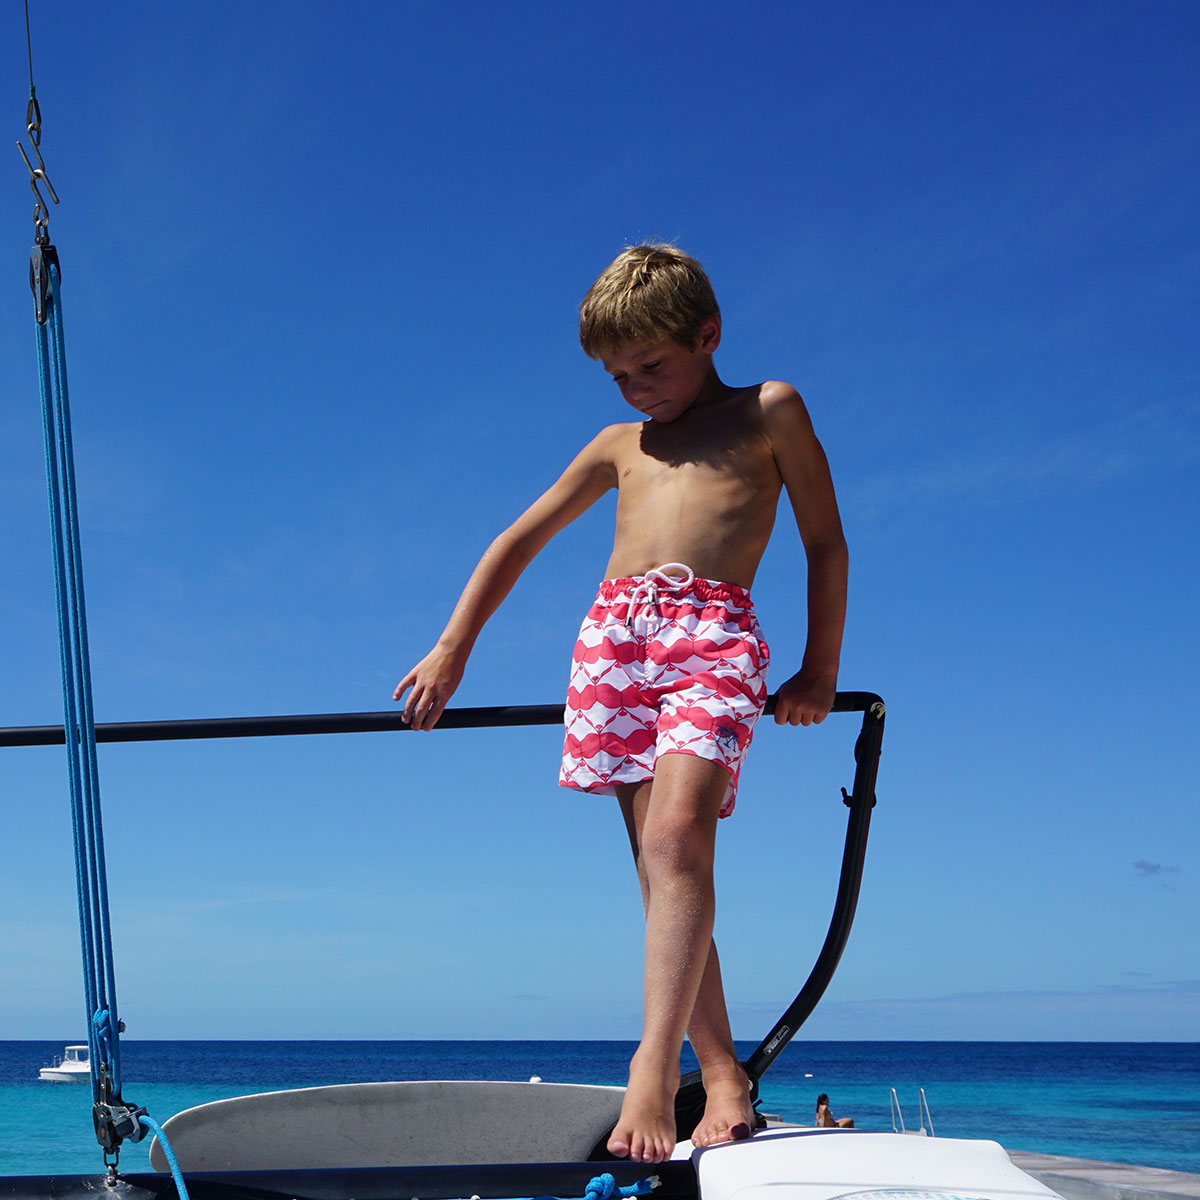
(726, 457)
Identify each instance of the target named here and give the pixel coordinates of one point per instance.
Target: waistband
(635, 587)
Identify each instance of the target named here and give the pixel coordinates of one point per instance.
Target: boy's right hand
(433, 681)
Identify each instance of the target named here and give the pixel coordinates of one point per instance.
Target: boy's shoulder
(773, 407)
(783, 409)
(610, 444)
(775, 394)
(765, 397)
(612, 437)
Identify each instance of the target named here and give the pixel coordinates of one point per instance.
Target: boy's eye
(652, 366)
(619, 377)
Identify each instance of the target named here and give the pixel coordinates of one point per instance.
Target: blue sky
(321, 266)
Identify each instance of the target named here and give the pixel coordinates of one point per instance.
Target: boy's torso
(701, 490)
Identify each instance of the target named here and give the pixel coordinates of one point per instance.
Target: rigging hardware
(43, 256)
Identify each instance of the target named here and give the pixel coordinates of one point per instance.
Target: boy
(669, 673)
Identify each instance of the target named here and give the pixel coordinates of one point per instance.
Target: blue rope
(176, 1174)
(90, 877)
(604, 1187)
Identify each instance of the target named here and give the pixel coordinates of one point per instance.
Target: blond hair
(647, 293)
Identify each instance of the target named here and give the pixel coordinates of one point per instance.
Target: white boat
(72, 1067)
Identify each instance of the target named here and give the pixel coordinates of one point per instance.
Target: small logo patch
(725, 732)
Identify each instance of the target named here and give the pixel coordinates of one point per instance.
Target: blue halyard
(114, 1120)
(90, 877)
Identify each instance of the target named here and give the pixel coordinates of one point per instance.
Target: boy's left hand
(805, 699)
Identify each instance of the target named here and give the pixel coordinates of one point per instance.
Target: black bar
(368, 722)
(364, 1183)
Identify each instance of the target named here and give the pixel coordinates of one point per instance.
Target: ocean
(1134, 1102)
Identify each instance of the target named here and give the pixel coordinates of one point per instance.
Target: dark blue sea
(1134, 1102)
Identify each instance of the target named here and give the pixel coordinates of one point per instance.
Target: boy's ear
(709, 337)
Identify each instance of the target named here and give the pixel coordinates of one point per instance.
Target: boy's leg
(672, 824)
(728, 1113)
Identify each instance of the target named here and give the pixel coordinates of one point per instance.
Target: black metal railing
(314, 723)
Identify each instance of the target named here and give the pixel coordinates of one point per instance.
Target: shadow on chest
(723, 441)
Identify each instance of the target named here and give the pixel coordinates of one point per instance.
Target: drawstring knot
(652, 582)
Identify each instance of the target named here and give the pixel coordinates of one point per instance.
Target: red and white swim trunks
(665, 664)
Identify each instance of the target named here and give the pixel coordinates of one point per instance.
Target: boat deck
(1085, 1179)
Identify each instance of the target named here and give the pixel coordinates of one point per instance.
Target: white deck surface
(820, 1164)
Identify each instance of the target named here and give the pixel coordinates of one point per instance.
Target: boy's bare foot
(645, 1130)
(728, 1114)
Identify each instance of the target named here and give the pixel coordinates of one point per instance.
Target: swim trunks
(664, 664)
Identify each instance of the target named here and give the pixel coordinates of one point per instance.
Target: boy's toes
(646, 1148)
(618, 1144)
(721, 1131)
(711, 1134)
(654, 1150)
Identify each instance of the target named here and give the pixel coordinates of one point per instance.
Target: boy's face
(662, 379)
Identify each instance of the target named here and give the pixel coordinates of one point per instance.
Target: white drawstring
(646, 592)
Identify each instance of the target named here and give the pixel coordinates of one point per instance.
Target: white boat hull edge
(58, 1075)
(821, 1164)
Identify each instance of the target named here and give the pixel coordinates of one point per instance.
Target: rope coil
(604, 1187)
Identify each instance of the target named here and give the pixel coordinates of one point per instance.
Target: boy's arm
(434, 679)
(807, 697)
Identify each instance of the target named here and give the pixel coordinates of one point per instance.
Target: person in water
(826, 1119)
(669, 671)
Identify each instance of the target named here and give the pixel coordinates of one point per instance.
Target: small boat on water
(72, 1067)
